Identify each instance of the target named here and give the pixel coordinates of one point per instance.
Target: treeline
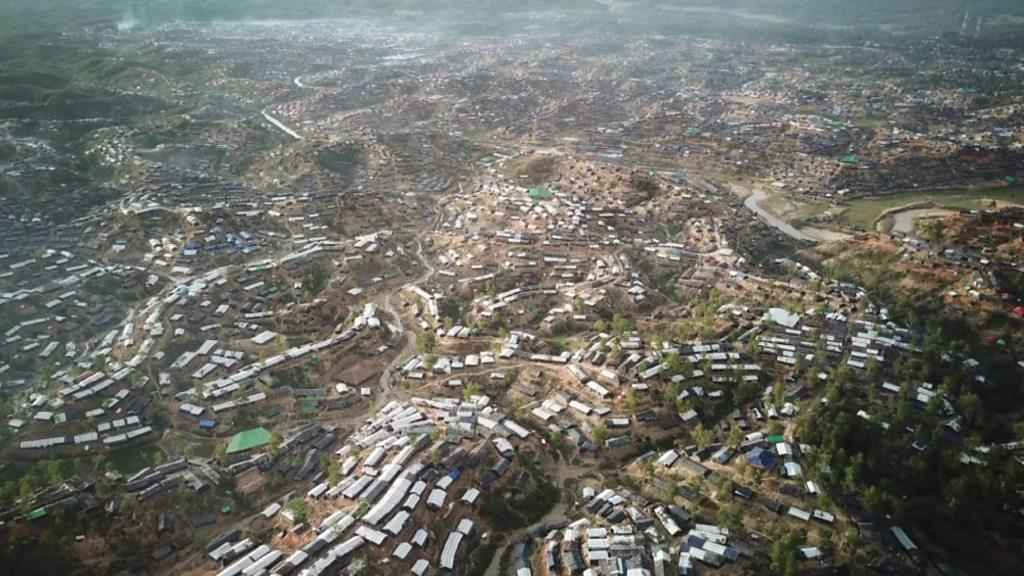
(913, 471)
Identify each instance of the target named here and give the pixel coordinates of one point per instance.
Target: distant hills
(1001, 21)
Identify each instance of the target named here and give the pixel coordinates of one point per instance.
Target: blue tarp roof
(761, 458)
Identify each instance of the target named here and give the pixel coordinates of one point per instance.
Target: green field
(863, 212)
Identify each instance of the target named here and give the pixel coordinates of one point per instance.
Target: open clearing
(863, 212)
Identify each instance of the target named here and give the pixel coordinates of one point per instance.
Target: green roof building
(540, 193)
(248, 440)
(35, 514)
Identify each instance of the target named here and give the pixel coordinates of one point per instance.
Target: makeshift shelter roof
(783, 317)
(248, 440)
(761, 458)
(36, 514)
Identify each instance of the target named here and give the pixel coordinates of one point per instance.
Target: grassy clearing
(132, 460)
(794, 210)
(863, 212)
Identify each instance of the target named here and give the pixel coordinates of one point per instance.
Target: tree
(970, 406)
(299, 509)
(851, 540)
(672, 365)
(724, 492)
(600, 435)
(695, 483)
(754, 349)
(735, 437)
(670, 490)
(274, 444)
(103, 486)
(426, 341)
(473, 388)
(778, 394)
(874, 371)
(362, 509)
(827, 541)
(730, 515)
(620, 324)
(25, 498)
(54, 472)
(874, 500)
(1018, 430)
(701, 436)
(745, 392)
(8, 494)
(631, 401)
(333, 468)
(784, 554)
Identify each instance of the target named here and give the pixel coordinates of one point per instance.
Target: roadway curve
(753, 203)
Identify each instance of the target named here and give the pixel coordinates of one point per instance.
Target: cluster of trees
(43, 473)
(299, 509)
(618, 325)
(882, 470)
(784, 553)
(315, 281)
(703, 318)
(507, 511)
(426, 341)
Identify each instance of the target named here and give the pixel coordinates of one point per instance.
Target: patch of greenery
(341, 160)
(507, 511)
(483, 554)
